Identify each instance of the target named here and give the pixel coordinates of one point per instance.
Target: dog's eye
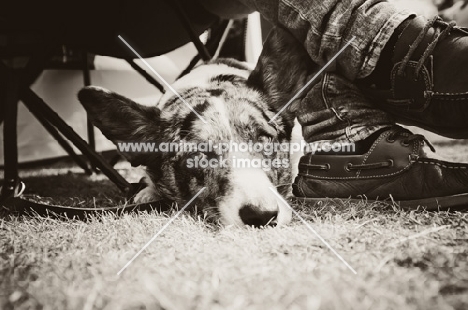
(204, 155)
(263, 138)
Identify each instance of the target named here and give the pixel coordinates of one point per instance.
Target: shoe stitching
(428, 85)
(356, 178)
(452, 99)
(424, 72)
(440, 165)
(384, 135)
(446, 96)
(387, 175)
(436, 93)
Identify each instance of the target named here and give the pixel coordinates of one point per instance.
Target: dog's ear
(283, 68)
(120, 119)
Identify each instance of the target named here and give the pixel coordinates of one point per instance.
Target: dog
(238, 104)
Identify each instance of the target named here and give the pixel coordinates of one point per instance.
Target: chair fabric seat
(152, 27)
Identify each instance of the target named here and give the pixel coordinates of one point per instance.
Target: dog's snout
(254, 216)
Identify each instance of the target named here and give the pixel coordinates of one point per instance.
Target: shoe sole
(448, 203)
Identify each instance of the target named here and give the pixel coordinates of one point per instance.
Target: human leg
(386, 162)
(424, 66)
(325, 26)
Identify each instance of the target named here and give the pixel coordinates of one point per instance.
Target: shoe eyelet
(391, 163)
(328, 167)
(348, 167)
(405, 143)
(390, 140)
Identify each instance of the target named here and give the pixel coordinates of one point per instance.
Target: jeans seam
(379, 42)
(324, 88)
(323, 36)
(303, 17)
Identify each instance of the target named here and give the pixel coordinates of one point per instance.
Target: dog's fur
(237, 104)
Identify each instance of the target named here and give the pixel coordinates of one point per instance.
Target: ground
(403, 260)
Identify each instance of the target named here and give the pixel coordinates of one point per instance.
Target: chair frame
(18, 88)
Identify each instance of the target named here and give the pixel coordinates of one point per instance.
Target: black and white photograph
(234, 154)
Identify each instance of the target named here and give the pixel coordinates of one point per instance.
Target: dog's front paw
(147, 194)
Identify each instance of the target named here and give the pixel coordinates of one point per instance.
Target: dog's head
(230, 104)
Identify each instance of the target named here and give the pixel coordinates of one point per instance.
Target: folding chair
(34, 29)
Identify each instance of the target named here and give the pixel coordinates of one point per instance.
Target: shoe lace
(397, 131)
(440, 35)
(409, 137)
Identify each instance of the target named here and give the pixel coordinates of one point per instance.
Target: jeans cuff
(379, 42)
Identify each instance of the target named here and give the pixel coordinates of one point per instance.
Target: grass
(404, 260)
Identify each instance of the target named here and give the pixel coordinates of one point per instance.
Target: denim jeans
(335, 109)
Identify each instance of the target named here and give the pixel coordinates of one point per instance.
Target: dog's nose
(254, 216)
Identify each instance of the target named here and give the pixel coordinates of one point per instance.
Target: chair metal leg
(34, 103)
(145, 74)
(87, 82)
(10, 148)
(18, 88)
(205, 55)
(26, 77)
(89, 125)
(214, 43)
(3, 90)
(63, 142)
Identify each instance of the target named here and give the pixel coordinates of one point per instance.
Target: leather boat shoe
(396, 169)
(428, 84)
